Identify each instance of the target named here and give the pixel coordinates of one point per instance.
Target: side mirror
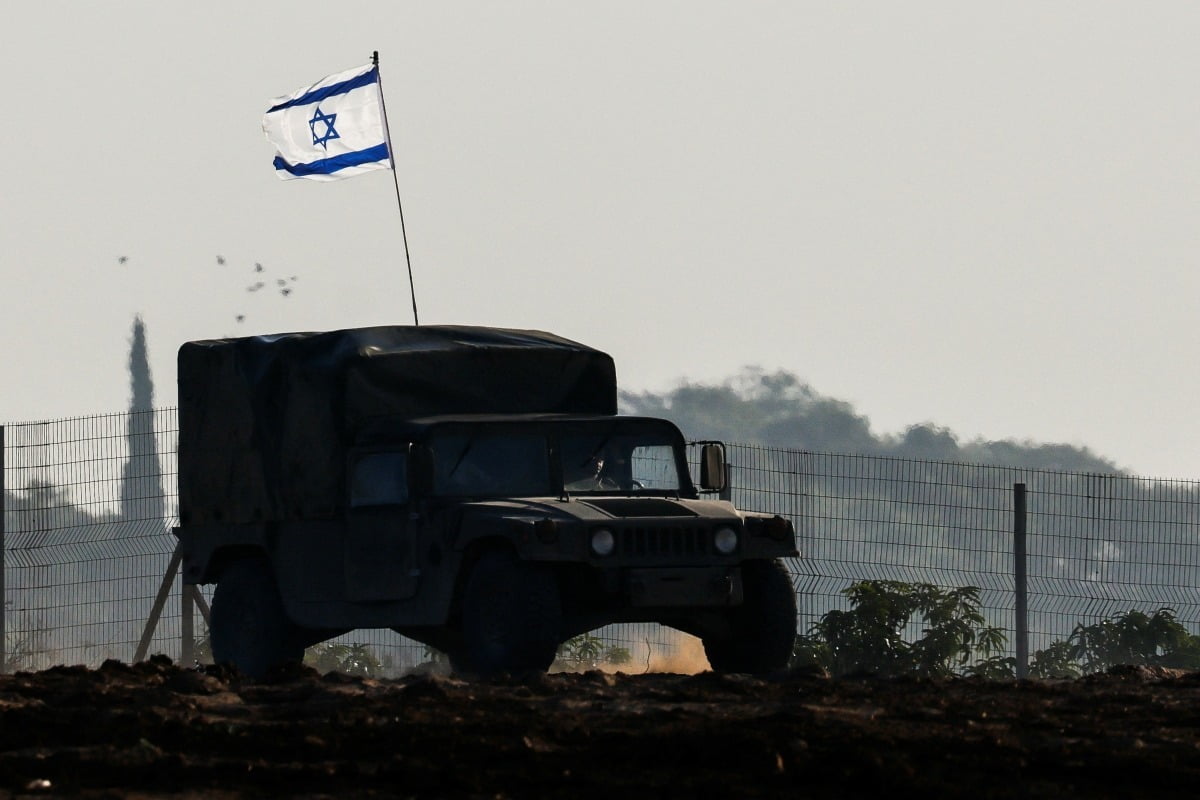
(712, 467)
(420, 470)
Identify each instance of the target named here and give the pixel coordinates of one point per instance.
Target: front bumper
(679, 587)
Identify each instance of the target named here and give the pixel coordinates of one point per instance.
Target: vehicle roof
(382, 428)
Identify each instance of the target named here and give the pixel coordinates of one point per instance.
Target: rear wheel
(512, 618)
(249, 626)
(762, 631)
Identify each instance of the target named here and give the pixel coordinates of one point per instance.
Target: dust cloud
(684, 655)
(672, 651)
(669, 651)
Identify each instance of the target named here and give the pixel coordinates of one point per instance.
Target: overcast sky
(974, 214)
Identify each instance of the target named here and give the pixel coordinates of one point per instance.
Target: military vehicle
(471, 488)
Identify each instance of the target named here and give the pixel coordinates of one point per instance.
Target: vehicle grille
(671, 541)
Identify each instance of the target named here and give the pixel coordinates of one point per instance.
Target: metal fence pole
(186, 614)
(160, 600)
(3, 588)
(1020, 580)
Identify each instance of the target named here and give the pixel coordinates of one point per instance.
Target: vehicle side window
(495, 464)
(380, 479)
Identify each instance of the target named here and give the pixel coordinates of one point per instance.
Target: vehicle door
(381, 532)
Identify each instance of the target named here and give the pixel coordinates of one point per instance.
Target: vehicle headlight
(725, 540)
(603, 542)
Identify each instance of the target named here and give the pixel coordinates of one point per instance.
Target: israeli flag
(330, 130)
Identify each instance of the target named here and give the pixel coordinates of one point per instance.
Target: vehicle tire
(763, 629)
(512, 618)
(250, 629)
(459, 665)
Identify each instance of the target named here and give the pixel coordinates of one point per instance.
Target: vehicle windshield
(542, 461)
(607, 462)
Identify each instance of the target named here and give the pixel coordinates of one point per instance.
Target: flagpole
(387, 134)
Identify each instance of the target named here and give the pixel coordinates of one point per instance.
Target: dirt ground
(154, 730)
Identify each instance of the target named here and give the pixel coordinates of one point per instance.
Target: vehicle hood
(599, 509)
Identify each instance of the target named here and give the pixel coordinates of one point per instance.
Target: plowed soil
(154, 730)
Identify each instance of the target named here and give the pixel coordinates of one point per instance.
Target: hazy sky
(980, 215)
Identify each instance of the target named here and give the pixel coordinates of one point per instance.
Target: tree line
(778, 409)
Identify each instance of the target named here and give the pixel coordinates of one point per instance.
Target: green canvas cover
(264, 421)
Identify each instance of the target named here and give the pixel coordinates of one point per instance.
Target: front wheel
(762, 631)
(512, 618)
(249, 626)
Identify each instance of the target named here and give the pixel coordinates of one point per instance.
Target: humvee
(471, 488)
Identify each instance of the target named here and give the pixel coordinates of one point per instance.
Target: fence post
(160, 600)
(3, 587)
(1020, 580)
(186, 638)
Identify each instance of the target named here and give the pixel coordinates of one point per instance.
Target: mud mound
(154, 729)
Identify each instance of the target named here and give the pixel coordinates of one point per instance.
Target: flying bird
(258, 267)
(122, 259)
(241, 317)
(220, 259)
(285, 292)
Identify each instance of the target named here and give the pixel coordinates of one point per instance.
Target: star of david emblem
(329, 132)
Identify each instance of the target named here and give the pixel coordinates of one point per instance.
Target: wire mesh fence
(89, 504)
(87, 535)
(1098, 545)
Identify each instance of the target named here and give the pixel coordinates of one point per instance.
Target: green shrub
(870, 637)
(355, 659)
(1056, 661)
(1135, 638)
(588, 652)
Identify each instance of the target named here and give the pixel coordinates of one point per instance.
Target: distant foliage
(780, 410)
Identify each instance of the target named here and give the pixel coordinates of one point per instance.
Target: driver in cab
(596, 473)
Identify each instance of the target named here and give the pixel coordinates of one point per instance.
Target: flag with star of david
(333, 129)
